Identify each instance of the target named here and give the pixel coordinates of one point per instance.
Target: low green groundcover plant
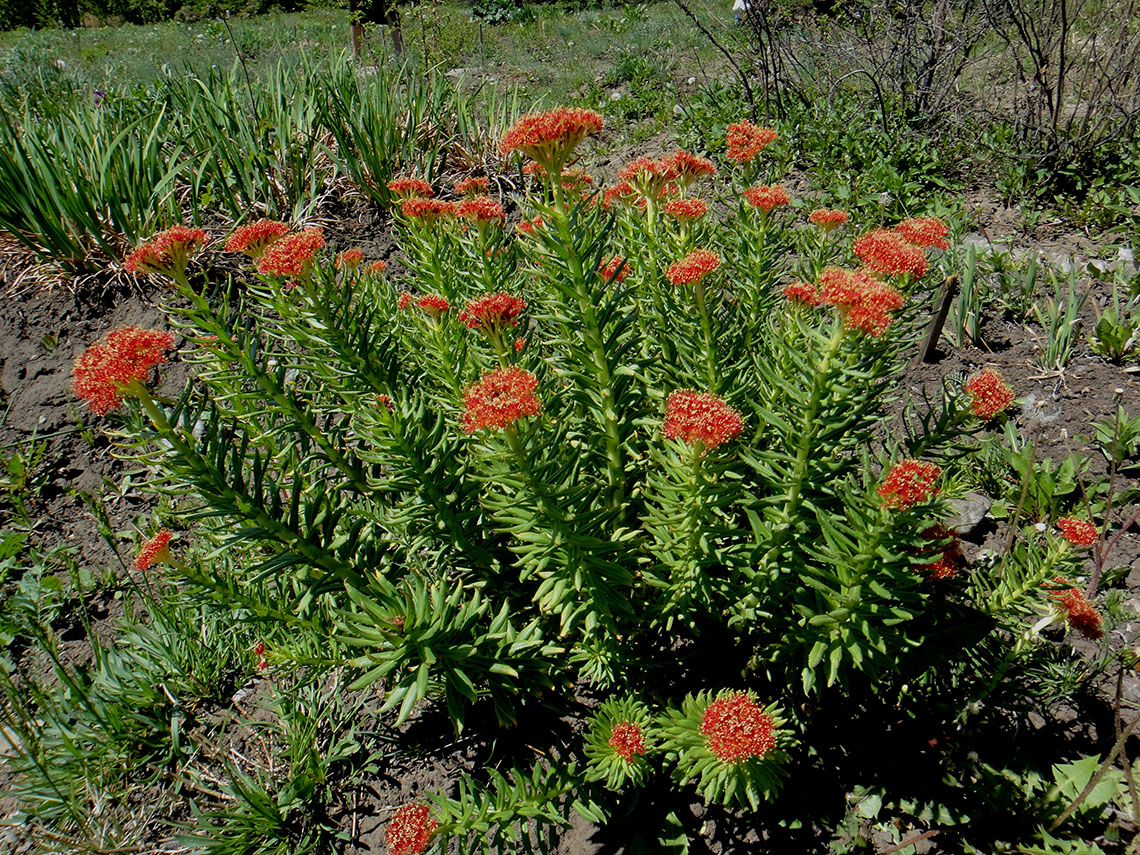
(628, 449)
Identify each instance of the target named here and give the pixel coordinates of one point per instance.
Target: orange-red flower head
(621, 193)
(1078, 532)
(647, 178)
(350, 259)
(864, 303)
(617, 268)
(428, 211)
(700, 417)
(766, 198)
(494, 312)
(686, 210)
(888, 252)
(410, 830)
(828, 218)
(528, 227)
(736, 728)
(550, 138)
(254, 238)
(909, 483)
(500, 399)
(627, 740)
(746, 140)
(155, 551)
(927, 232)
(407, 188)
(433, 304)
(803, 293)
(685, 168)
(292, 255)
(471, 186)
(167, 252)
(377, 267)
(989, 395)
(1080, 613)
(694, 267)
(948, 547)
(125, 356)
(481, 209)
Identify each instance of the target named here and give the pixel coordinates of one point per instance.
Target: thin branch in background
(712, 39)
(245, 70)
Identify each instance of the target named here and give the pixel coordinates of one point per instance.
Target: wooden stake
(934, 330)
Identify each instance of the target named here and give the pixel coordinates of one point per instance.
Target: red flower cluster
(863, 301)
(292, 255)
(989, 395)
(1081, 614)
(167, 252)
(549, 138)
(885, 251)
(685, 168)
(481, 209)
(377, 267)
(617, 268)
(686, 210)
(433, 304)
(766, 198)
(926, 232)
(700, 417)
(471, 186)
(384, 401)
(736, 728)
(647, 177)
(627, 740)
(259, 652)
(406, 188)
(694, 267)
(1078, 532)
(946, 565)
(410, 830)
(527, 227)
(908, 483)
(746, 140)
(405, 300)
(428, 211)
(126, 355)
(155, 551)
(828, 218)
(622, 193)
(576, 179)
(254, 238)
(350, 259)
(494, 312)
(500, 399)
(802, 292)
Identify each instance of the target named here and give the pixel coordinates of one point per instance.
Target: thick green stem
(615, 467)
(710, 343)
(445, 359)
(808, 425)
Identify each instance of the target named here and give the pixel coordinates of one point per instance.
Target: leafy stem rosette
(730, 746)
(618, 742)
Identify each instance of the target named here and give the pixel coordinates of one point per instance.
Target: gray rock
(969, 511)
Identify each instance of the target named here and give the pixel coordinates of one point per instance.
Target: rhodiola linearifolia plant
(621, 438)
